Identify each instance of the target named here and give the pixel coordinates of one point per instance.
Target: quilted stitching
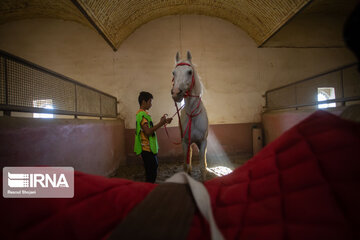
(99, 204)
(304, 185)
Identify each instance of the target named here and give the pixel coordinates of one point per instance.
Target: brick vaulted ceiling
(115, 20)
(259, 18)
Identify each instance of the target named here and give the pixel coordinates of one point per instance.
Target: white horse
(193, 121)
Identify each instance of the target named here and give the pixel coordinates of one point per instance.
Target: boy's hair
(144, 96)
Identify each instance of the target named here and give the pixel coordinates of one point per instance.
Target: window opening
(326, 93)
(43, 103)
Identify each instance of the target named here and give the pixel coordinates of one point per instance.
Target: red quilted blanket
(304, 185)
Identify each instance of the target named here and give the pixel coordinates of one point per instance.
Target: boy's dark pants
(151, 165)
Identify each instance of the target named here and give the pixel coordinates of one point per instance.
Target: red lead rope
(177, 112)
(191, 115)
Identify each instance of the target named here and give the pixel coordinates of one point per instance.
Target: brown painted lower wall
(229, 139)
(277, 122)
(90, 146)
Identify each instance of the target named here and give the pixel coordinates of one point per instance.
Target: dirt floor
(221, 165)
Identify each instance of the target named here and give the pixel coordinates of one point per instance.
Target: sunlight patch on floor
(220, 170)
(216, 156)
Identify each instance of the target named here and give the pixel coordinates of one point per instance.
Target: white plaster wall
(233, 70)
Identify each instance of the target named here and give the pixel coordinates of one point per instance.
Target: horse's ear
(189, 56)
(177, 57)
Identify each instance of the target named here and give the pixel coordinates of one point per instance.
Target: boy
(145, 137)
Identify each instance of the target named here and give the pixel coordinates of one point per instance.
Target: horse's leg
(187, 166)
(203, 163)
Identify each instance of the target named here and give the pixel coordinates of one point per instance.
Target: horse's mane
(198, 79)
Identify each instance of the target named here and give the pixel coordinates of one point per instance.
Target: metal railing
(345, 81)
(27, 87)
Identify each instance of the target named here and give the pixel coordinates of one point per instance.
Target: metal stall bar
(276, 93)
(26, 82)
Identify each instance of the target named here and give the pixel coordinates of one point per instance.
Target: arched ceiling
(259, 18)
(115, 20)
(319, 25)
(13, 10)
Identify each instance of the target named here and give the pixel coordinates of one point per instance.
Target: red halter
(187, 93)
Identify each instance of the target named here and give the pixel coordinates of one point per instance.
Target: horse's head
(183, 79)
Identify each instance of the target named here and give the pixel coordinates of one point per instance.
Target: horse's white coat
(199, 127)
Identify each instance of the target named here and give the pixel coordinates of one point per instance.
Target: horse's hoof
(203, 175)
(187, 169)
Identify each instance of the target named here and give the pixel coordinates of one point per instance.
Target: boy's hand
(168, 120)
(163, 120)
